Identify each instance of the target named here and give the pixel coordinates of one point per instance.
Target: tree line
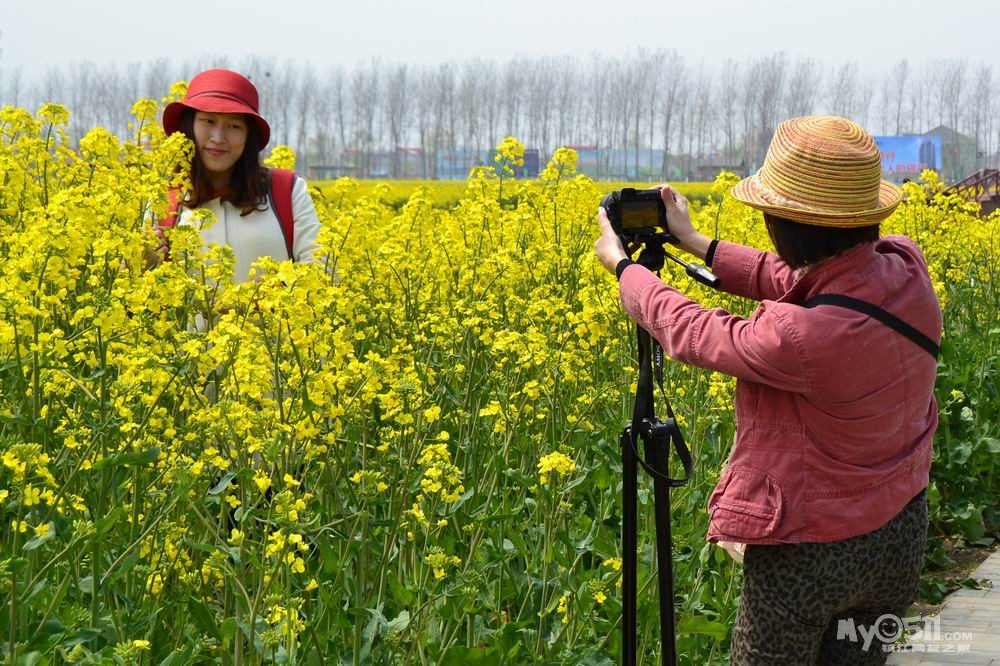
(689, 112)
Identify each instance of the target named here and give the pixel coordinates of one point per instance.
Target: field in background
(446, 193)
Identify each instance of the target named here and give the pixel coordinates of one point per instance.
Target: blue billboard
(904, 157)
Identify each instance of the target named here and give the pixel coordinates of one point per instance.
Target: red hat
(218, 91)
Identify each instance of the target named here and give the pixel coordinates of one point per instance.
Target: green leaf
(204, 619)
(124, 459)
(402, 594)
(203, 547)
(992, 444)
(39, 586)
(105, 523)
(699, 624)
(179, 657)
(38, 540)
(594, 658)
(30, 659)
(465, 656)
(17, 564)
(82, 636)
(223, 483)
(970, 522)
(960, 452)
(228, 630)
(401, 622)
(52, 627)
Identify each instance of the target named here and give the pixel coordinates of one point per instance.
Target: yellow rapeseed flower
(556, 462)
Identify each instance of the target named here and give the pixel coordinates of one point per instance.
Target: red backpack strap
(170, 219)
(282, 182)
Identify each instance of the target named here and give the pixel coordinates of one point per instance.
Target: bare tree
(863, 100)
(444, 107)
(467, 101)
(728, 101)
(595, 105)
(540, 80)
(322, 143)
(566, 101)
(425, 122)
(674, 76)
(765, 84)
(489, 102)
(704, 120)
(11, 86)
(364, 102)
(802, 90)
(841, 95)
(280, 98)
(898, 78)
(513, 86)
(397, 96)
(980, 110)
(624, 101)
(304, 106)
(951, 92)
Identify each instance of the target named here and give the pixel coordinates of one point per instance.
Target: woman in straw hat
(220, 114)
(834, 407)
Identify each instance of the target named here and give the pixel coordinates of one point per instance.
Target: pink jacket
(835, 411)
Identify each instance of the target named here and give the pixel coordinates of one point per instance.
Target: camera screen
(641, 214)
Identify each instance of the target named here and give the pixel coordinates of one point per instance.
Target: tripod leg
(664, 550)
(630, 529)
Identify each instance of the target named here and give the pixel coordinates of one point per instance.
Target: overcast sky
(38, 34)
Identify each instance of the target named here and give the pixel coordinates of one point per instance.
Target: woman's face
(220, 139)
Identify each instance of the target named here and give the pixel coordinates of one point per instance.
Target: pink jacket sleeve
(760, 349)
(751, 273)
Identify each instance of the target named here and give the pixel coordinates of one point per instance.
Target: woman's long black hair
(248, 183)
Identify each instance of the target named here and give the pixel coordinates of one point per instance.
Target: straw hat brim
(172, 114)
(754, 193)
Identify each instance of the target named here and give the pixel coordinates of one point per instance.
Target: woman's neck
(219, 180)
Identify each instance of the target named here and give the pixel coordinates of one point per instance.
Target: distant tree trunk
(673, 90)
(899, 75)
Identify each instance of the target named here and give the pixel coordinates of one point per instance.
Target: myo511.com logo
(920, 631)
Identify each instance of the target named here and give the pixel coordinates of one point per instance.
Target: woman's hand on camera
(608, 247)
(679, 221)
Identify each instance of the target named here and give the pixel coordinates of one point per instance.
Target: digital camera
(638, 216)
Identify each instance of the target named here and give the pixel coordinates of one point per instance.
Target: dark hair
(801, 245)
(248, 182)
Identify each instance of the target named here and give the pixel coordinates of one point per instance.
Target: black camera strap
(875, 312)
(657, 436)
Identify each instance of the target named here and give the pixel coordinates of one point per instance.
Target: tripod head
(654, 254)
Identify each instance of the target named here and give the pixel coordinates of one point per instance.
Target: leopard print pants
(797, 598)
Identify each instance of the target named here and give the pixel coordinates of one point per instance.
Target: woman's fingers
(608, 246)
(603, 222)
(672, 198)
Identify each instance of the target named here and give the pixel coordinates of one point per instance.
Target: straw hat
(218, 91)
(821, 170)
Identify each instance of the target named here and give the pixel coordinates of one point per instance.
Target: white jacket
(259, 233)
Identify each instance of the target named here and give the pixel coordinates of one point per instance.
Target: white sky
(38, 34)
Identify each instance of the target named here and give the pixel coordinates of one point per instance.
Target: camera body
(638, 216)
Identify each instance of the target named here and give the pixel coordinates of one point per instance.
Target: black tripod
(657, 435)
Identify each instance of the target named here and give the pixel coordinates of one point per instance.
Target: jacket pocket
(747, 504)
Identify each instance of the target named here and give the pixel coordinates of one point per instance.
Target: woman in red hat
(220, 115)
